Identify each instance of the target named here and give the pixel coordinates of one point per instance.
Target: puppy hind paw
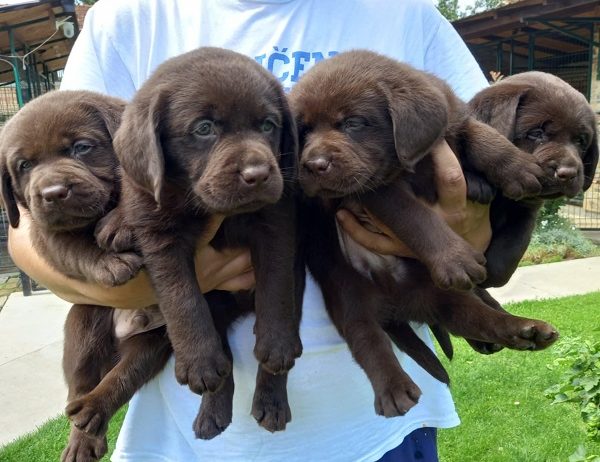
(271, 412)
(541, 334)
(83, 448)
(211, 422)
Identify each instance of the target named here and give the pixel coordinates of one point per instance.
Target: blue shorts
(418, 446)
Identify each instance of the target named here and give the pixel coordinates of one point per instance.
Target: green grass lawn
(505, 416)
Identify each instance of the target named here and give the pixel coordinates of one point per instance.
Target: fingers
(449, 179)
(218, 269)
(376, 242)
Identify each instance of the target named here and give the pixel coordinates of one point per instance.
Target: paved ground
(31, 384)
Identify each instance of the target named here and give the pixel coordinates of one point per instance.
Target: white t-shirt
(333, 418)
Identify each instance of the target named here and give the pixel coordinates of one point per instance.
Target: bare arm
(468, 219)
(227, 270)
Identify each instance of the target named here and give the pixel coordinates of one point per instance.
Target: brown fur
(57, 162)
(546, 117)
(67, 190)
(210, 133)
(366, 124)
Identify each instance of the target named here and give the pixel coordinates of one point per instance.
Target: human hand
(468, 219)
(227, 270)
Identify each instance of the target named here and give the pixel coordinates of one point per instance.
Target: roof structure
(556, 36)
(35, 40)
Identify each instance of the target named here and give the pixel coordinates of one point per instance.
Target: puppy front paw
(83, 447)
(114, 269)
(204, 373)
(276, 352)
(88, 416)
(397, 396)
(522, 179)
(458, 267)
(111, 233)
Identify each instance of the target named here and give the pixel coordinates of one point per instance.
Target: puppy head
(211, 127)
(57, 161)
(545, 116)
(362, 119)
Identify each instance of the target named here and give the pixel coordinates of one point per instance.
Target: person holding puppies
(333, 419)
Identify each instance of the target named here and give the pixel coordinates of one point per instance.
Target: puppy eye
(81, 148)
(204, 128)
(354, 123)
(537, 134)
(267, 126)
(24, 165)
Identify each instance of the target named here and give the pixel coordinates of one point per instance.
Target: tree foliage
(452, 10)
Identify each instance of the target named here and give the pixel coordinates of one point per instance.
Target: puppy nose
(318, 165)
(255, 175)
(566, 173)
(57, 192)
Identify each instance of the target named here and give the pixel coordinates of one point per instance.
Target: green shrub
(580, 384)
(556, 239)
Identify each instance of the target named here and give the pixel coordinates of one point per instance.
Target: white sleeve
(448, 57)
(94, 63)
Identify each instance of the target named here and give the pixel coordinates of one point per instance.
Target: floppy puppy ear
(111, 113)
(288, 146)
(419, 120)
(138, 145)
(590, 162)
(497, 106)
(8, 196)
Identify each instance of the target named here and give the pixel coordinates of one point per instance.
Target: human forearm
(227, 270)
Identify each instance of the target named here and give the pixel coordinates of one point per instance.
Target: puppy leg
(504, 165)
(277, 327)
(142, 357)
(83, 447)
(452, 262)
(216, 408)
(351, 304)
(200, 361)
(466, 315)
(88, 353)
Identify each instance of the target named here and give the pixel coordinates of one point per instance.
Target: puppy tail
(443, 338)
(407, 340)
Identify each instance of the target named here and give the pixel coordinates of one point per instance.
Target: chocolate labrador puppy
(210, 133)
(546, 117)
(57, 162)
(366, 124)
